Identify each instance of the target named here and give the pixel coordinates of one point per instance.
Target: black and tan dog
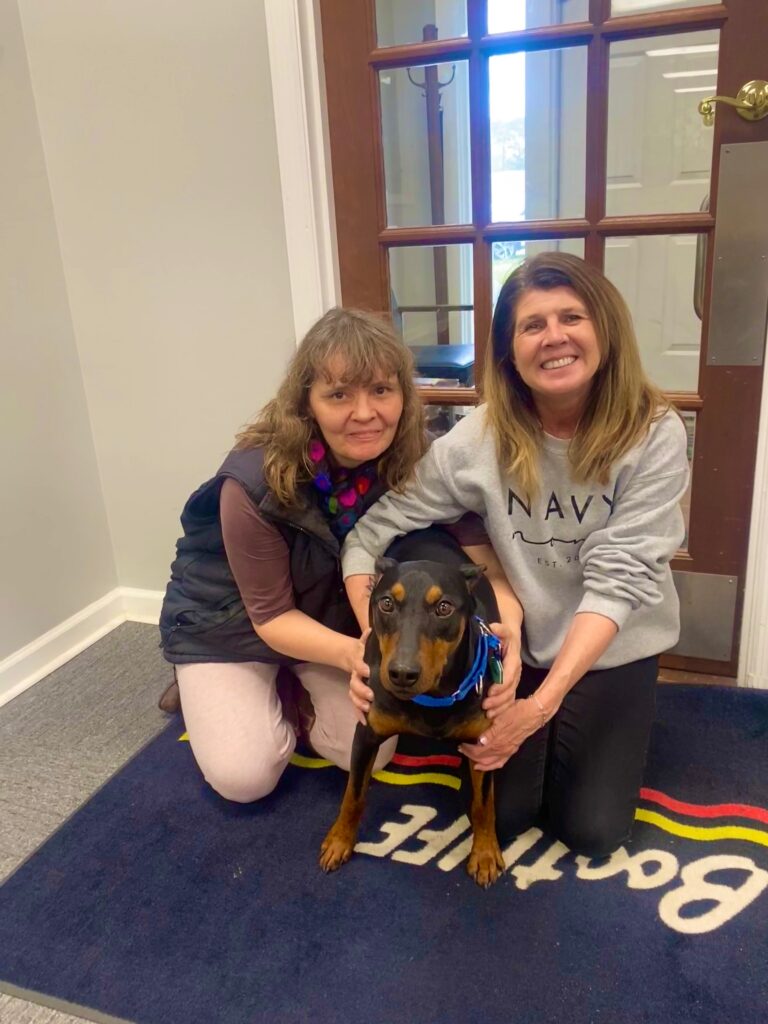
(431, 659)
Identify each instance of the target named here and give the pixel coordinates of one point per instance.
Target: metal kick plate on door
(707, 609)
(739, 305)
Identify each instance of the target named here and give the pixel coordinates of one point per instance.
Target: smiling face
(555, 347)
(358, 421)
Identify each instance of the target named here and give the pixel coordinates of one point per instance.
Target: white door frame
(298, 95)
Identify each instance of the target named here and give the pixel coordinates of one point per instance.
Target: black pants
(578, 777)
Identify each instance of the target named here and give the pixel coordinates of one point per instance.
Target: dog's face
(419, 612)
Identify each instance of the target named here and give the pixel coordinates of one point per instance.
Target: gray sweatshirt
(575, 548)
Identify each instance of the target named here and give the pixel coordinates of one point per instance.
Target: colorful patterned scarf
(342, 491)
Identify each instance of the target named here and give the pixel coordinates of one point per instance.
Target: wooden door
(569, 124)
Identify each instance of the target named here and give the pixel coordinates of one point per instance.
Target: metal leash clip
(480, 685)
(492, 658)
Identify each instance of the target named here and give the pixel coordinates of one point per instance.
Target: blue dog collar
(487, 658)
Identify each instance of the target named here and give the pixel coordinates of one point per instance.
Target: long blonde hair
(622, 403)
(367, 347)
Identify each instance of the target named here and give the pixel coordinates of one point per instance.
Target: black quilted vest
(203, 616)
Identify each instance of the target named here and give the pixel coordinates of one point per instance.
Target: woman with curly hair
(256, 583)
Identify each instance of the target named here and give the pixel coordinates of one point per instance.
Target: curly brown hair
(622, 402)
(369, 348)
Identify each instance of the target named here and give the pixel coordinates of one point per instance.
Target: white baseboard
(142, 605)
(53, 649)
(754, 681)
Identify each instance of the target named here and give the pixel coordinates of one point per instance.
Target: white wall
(55, 550)
(156, 118)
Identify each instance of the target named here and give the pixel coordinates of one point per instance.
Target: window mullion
(597, 132)
(480, 136)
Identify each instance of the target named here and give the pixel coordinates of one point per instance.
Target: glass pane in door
(538, 115)
(432, 304)
(656, 274)
(440, 418)
(643, 6)
(413, 21)
(507, 256)
(425, 138)
(659, 150)
(515, 15)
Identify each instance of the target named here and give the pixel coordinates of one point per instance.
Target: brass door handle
(751, 102)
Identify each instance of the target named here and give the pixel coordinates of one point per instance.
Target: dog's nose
(404, 675)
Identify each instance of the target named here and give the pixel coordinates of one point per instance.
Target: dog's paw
(485, 864)
(335, 851)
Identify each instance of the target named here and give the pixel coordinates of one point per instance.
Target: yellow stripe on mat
(438, 778)
(301, 761)
(703, 835)
(393, 778)
(298, 759)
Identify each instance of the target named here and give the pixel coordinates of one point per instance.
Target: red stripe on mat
(704, 810)
(407, 761)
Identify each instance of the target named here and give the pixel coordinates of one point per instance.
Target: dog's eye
(386, 604)
(443, 609)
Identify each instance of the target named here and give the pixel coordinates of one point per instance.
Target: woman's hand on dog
(360, 692)
(506, 734)
(502, 695)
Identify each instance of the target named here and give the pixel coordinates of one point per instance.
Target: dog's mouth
(401, 694)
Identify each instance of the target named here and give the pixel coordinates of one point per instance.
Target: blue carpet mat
(158, 903)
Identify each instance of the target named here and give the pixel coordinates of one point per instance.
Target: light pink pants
(240, 739)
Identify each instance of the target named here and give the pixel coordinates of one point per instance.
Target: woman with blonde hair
(256, 583)
(576, 464)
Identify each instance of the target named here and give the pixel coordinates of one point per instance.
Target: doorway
(568, 124)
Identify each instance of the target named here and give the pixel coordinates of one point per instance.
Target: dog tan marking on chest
(387, 725)
(433, 595)
(398, 592)
(469, 730)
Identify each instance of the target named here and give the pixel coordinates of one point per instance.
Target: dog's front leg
(485, 862)
(338, 844)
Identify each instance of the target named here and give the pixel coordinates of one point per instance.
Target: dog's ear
(382, 564)
(471, 573)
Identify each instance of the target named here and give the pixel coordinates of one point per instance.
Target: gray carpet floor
(64, 738)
